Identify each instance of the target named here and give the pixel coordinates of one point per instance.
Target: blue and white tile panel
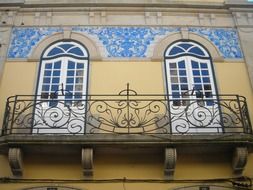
(123, 42)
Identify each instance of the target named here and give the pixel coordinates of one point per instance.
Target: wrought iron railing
(126, 112)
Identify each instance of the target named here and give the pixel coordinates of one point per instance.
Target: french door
(60, 106)
(193, 105)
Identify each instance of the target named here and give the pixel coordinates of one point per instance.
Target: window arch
(190, 83)
(62, 87)
(189, 69)
(63, 71)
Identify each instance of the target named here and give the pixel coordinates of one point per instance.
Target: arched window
(63, 71)
(62, 89)
(190, 82)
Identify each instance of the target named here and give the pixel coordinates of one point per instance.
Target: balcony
(56, 124)
(126, 113)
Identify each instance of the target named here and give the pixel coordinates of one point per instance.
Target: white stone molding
(213, 19)
(87, 162)
(93, 50)
(49, 18)
(239, 160)
(184, 33)
(201, 19)
(160, 46)
(15, 157)
(103, 17)
(37, 18)
(66, 32)
(159, 18)
(170, 162)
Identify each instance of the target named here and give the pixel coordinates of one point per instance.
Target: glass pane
(203, 65)
(76, 51)
(45, 88)
(173, 65)
(78, 88)
(209, 102)
(68, 95)
(71, 65)
(183, 79)
(57, 65)
(185, 46)
(184, 87)
(195, 65)
(197, 80)
(208, 94)
(70, 73)
(55, 51)
(174, 79)
(181, 64)
(44, 95)
(175, 94)
(80, 65)
(47, 73)
(66, 46)
(205, 72)
(79, 73)
(207, 87)
(78, 95)
(182, 72)
(173, 72)
(70, 80)
(206, 80)
(54, 88)
(48, 66)
(46, 80)
(176, 50)
(197, 51)
(69, 87)
(56, 80)
(199, 95)
(175, 87)
(56, 73)
(79, 80)
(198, 87)
(196, 72)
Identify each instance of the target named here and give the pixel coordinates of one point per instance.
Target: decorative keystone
(15, 156)
(239, 161)
(170, 162)
(87, 162)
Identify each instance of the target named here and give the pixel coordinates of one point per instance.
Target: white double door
(60, 104)
(193, 102)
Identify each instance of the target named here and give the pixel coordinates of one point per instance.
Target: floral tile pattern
(126, 41)
(123, 42)
(226, 40)
(23, 40)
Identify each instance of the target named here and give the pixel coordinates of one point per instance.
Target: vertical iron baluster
(240, 110)
(6, 118)
(13, 113)
(128, 117)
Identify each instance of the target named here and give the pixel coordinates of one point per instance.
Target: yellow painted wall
(111, 77)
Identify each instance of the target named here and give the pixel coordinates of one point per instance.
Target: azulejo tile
(126, 42)
(24, 39)
(226, 40)
(123, 42)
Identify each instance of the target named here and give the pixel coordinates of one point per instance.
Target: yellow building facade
(126, 95)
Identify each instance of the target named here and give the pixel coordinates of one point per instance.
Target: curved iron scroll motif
(126, 112)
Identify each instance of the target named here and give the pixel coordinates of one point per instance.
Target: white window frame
(43, 121)
(180, 119)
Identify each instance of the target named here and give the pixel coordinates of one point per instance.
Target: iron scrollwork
(126, 112)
